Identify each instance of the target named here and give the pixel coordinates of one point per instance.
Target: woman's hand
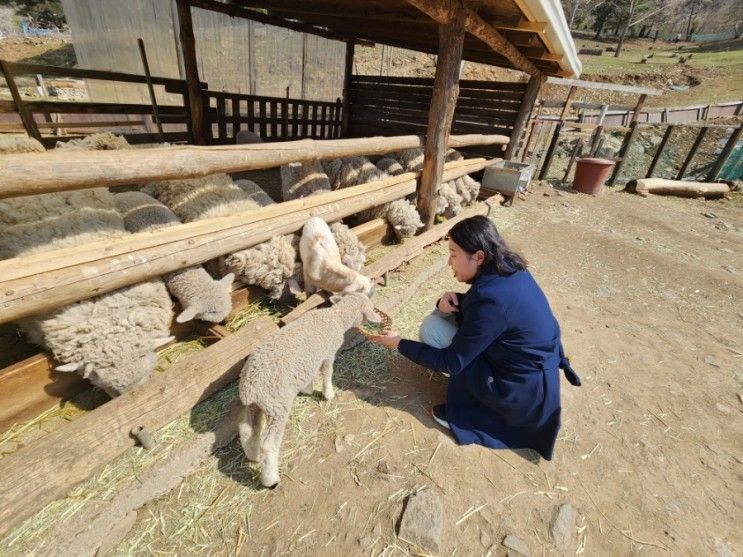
(449, 302)
(390, 339)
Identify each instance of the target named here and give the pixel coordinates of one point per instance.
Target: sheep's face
(362, 284)
(126, 374)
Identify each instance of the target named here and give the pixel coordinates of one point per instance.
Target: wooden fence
(394, 105)
(42, 118)
(272, 118)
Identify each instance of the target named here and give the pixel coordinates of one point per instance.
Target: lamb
(105, 141)
(19, 144)
(321, 262)
(201, 296)
(286, 364)
(390, 166)
(300, 179)
(269, 265)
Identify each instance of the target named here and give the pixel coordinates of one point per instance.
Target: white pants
(438, 329)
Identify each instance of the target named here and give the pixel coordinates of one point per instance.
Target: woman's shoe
(439, 415)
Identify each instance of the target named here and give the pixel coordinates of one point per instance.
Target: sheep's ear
(293, 286)
(398, 226)
(88, 370)
(187, 314)
(72, 366)
(335, 298)
(158, 342)
(227, 280)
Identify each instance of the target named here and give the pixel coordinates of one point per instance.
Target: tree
(604, 14)
(44, 13)
(573, 7)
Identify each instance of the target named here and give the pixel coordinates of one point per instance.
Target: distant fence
(621, 115)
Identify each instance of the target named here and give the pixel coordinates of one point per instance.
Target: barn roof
(534, 33)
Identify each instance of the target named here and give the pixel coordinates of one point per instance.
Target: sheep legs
(250, 432)
(309, 389)
(270, 448)
(326, 370)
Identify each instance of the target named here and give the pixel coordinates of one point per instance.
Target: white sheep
(300, 179)
(284, 365)
(344, 172)
(390, 166)
(321, 262)
(410, 159)
(270, 264)
(19, 144)
(104, 141)
(201, 296)
(352, 251)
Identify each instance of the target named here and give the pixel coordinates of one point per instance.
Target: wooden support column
(347, 76)
(556, 134)
(522, 118)
(629, 138)
(659, 151)
(722, 159)
(188, 48)
(692, 152)
(441, 114)
(26, 115)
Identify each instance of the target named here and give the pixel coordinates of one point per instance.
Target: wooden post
(692, 152)
(150, 88)
(551, 150)
(659, 151)
(598, 131)
(347, 76)
(522, 118)
(188, 48)
(26, 115)
(575, 154)
(441, 114)
(628, 139)
(722, 159)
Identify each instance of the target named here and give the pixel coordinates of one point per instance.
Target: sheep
(105, 141)
(390, 166)
(19, 144)
(352, 251)
(201, 296)
(269, 265)
(246, 137)
(410, 159)
(321, 262)
(300, 179)
(286, 364)
(352, 171)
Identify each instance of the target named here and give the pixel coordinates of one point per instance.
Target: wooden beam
(659, 151)
(697, 141)
(525, 109)
(523, 26)
(659, 186)
(188, 49)
(26, 116)
(63, 458)
(722, 159)
(443, 12)
(253, 15)
(372, 233)
(347, 76)
(34, 173)
(441, 114)
(629, 138)
(583, 84)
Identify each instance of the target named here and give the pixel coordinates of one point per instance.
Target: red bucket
(590, 175)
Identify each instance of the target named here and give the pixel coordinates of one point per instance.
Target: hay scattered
(169, 355)
(264, 306)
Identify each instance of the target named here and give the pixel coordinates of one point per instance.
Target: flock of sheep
(111, 339)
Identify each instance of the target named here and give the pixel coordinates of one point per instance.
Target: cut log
(34, 173)
(50, 466)
(659, 186)
(50, 280)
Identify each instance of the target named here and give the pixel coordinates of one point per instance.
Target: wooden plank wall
(399, 105)
(272, 118)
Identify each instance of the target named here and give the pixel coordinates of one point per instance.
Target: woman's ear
(479, 257)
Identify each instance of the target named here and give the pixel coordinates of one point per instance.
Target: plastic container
(590, 175)
(507, 177)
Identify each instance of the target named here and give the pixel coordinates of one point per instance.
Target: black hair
(479, 233)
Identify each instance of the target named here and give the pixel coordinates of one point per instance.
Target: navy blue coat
(504, 389)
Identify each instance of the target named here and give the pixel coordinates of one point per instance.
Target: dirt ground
(647, 291)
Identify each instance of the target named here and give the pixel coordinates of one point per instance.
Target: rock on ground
(516, 546)
(422, 521)
(562, 525)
